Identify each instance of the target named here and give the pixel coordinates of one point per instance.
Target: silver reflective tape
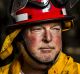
(21, 17)
(64, 11)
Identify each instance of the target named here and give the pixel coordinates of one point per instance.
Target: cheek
(33, 41)
(58, 41)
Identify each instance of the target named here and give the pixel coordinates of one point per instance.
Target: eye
(36, 29)
(56, 29)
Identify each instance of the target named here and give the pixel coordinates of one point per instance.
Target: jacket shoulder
(71, 67)
(4, 69)
(64, 65)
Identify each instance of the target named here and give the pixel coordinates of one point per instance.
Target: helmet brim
(21, 25)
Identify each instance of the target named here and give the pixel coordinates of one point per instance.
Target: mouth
(46, 49)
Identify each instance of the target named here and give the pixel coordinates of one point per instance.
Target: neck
(29, 70)
(36, 69)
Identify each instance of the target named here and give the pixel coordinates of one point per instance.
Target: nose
(47, 36)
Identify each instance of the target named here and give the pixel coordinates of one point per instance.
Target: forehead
(47, 24)
(51, 24)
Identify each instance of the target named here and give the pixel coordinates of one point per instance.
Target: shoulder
(71, 66)
(69, 60)
(4, 69)
(64, 65)
(12, 68)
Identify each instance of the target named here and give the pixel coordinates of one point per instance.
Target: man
(37, 36)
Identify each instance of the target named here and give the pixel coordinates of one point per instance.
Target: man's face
(44, 41)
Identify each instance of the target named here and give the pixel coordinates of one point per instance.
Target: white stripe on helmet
(21, 17)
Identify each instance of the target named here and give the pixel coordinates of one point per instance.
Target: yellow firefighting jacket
(63, 65)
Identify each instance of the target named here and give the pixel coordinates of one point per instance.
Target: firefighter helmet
(31, 15)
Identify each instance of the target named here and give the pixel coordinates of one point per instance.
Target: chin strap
(7, 48)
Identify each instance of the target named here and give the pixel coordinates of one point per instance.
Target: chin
(47, 62)
(44, 61)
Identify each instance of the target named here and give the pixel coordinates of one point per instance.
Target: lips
(46, 49)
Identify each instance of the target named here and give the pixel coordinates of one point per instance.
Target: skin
(44, 41)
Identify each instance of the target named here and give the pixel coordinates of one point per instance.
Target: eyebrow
(56, 24)
(52, 24)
